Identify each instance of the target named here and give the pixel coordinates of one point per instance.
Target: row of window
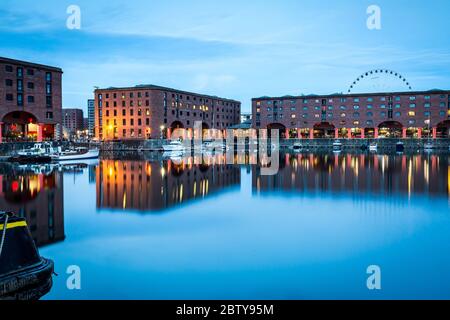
(30, 99)
(356, 107)
(124, 122)
(342, 100)
(175, 96)
(124, 112)
(10, 97)
(357, 114)
(30, 72)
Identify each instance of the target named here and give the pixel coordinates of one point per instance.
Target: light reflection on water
(155, 229)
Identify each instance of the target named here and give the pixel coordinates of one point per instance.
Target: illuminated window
(411, 113)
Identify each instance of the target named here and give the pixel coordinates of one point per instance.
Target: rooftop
(432, 91)
(29, 64)
(155, 87)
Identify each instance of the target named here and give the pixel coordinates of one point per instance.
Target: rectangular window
(49, 101)
(30, 85)
(48, 88)
(19, 72)
(20, 99)
(411, 113)
(8, 68)
(9, 97)
(49, 115)
(48, 76)
(19, 85)
(30, 72)
(30, 99)
(8, 82)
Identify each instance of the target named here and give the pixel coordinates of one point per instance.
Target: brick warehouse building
(149, 112)
(398, 114)
(30, 101)
(73, 119)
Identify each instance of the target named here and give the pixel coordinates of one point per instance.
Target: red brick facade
(30, 100)
(147, 112)
(400, 114)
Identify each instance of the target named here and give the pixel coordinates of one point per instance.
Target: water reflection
(35, 193)
(359, 173)
(154, 186)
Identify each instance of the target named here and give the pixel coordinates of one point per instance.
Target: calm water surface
(151, 229)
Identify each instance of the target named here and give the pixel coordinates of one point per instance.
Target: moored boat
(174, 146)
(337, 146)
(373, 147)
(24, 273)
(41, 149)
(77, 154)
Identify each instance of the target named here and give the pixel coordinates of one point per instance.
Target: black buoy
(24, 274)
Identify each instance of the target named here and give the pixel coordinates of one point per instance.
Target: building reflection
(154, 186)
(35, 193)
(359, 173)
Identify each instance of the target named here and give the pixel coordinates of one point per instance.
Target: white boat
(173, 155)
(77, 154)
(174, 146)
(337, 145)
(41, 149)
(373, 147)
(428, 146)
(215, 146)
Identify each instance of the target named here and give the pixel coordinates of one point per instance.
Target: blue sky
(236, 49)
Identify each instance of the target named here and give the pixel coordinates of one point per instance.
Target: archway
(390, 129)
(276, 126)
(20, 126)
(443, 129)
(176, 125)
(324, 130)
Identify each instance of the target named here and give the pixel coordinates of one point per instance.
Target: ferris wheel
(380, 80)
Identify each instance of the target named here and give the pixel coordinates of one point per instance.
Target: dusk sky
(235, 49)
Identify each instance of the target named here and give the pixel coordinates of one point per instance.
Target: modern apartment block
(151, 112)
(375, 115)
(91, 117)
(73, 120)
(30, 101)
